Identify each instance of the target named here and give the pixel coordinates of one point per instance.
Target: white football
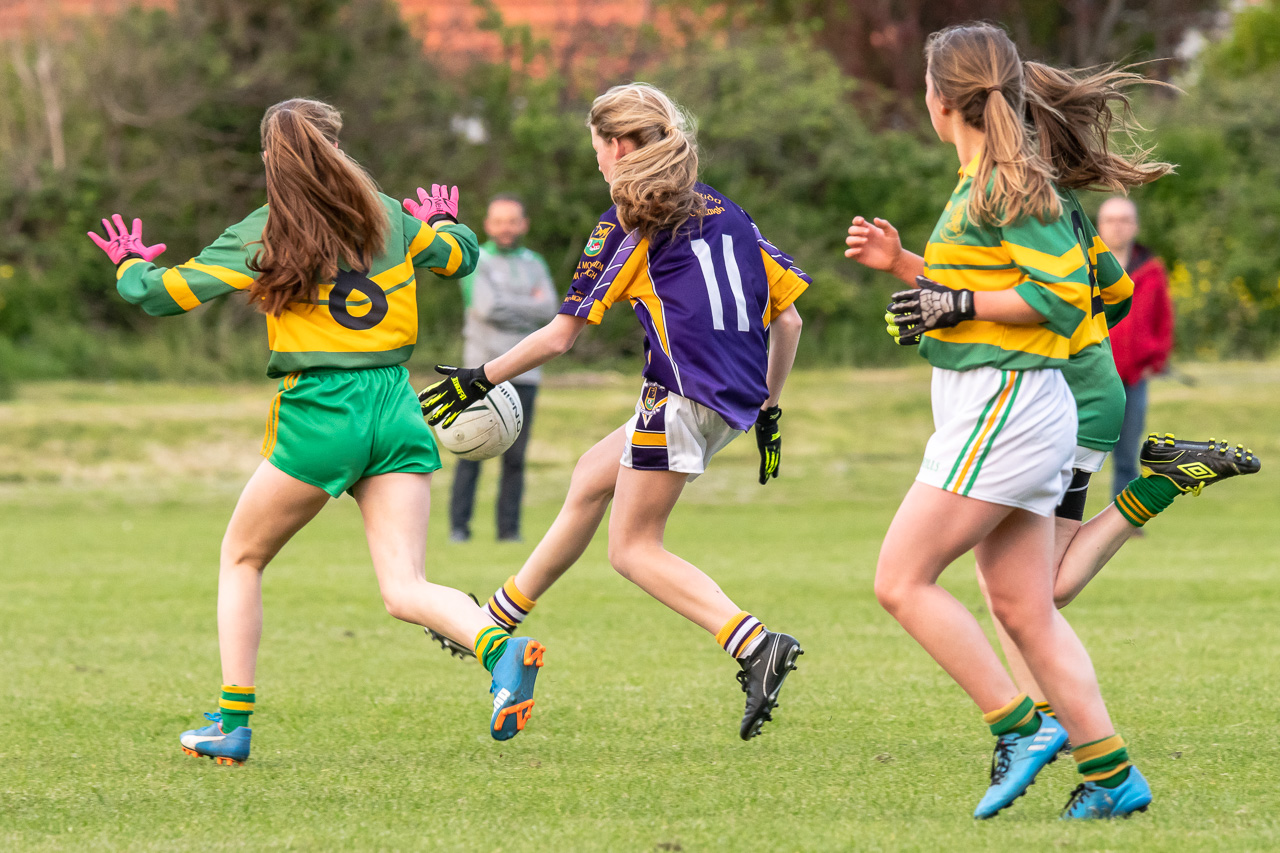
(487, 428)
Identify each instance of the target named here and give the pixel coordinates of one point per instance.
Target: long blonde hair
(653, 185)
(976, 69)
(323, 207)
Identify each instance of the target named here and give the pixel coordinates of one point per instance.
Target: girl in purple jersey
(715, 301)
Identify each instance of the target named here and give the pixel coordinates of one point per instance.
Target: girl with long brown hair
(1010, 277)
(715, 301)
(330, 262)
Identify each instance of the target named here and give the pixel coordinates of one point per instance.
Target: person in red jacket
(1142, 341)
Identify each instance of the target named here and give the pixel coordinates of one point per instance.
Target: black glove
(461, 388)
(930, 306)
(903, 336)
(769, 440)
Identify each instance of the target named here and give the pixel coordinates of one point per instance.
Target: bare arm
(553, 339)
(1004, 306)
(784, 337)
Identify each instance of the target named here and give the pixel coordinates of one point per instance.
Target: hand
(875, 244)
(903, 336)
(461, 388)
(121, 243)
(769, 440)
(930, 306)
(431, 207)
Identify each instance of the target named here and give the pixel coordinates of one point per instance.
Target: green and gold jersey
(360, 320)
(1059, 268)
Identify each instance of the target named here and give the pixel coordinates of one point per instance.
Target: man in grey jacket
(509, 295)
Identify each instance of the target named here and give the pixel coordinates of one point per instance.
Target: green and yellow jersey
(1063, 270)
(360, 320)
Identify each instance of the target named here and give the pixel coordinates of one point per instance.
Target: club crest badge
(649, 404)
(596, 244)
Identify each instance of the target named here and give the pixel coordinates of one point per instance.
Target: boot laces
(1002, 759)
(1076, 796)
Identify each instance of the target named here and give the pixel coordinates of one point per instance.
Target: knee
(588, 490)
(622, 556)
(1020, 619)
(396, 598)
(891, 592)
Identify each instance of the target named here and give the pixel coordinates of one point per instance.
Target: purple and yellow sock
(741, 635)
(1046, 709)
(508, 606)
(489, 645)
(236, 706)
(1103, 761)
(1019, 717)
(1145, 498)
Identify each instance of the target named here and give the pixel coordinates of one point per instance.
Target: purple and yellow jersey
(704, 297)
(359, 320)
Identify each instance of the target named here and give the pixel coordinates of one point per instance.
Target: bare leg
(641, 506)
(590, 491)
(1096, 543)
(272, 508)
(1016, 563)
(906, 586)
(395, 508)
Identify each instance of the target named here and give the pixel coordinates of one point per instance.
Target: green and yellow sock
(489, 645)
(1145, 498)
(236, 706)
(1019, 717)
(1105, 761)
(1046, 709)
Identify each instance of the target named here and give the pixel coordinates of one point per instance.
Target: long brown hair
(323, 207)
(653, 185)
(1074, 120)
(976, 69)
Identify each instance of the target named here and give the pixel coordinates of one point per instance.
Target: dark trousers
(1124, 459)
(462, 500)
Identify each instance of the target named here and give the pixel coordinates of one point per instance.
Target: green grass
(113, 500)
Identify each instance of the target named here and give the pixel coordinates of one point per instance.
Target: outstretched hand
(875, 244)
(120, 242)
(440, 203)
(451, 396)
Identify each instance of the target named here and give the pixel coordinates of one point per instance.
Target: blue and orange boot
(513, 678)
(212, 742)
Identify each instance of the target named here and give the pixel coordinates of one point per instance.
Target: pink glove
(440, 203)
(121, 243)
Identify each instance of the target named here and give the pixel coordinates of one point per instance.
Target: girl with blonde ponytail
(715, 301)
(330, 261)
(1013, 295)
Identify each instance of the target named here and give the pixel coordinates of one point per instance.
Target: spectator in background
(508, 296)
(1142, 341)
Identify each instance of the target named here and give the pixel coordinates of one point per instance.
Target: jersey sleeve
(1114, 284)
(609, 269)
(1058, 280)
(786, 280)
(449, 249)
(220, 269)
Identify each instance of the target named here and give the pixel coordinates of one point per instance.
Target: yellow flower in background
(6, 271)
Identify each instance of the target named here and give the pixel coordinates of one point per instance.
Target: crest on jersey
(649, 403)
(596, 244)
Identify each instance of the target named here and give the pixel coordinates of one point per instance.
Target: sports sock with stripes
(1105, 761)
(741, 635)
(1046, 709)
(1019, 717)
(508, 606)
(1145, 498)
(235, 705)
(489, 645)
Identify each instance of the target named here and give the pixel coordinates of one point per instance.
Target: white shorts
(1003, 436)
(673, 433)
(1089, 460)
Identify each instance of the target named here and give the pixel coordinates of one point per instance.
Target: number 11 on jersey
(703, 252)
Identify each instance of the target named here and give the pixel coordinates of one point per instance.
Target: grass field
(113, 500)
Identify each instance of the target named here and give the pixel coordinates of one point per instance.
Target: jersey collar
(970, 169)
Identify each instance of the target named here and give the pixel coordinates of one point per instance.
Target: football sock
(741, 635)
(1019, 717)
(489, 645)
(508, 606)
(1105, 761)
(1046, 709)
(1145, 498)
(235, 705)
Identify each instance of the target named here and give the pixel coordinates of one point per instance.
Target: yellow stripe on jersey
(425, 237)
(645, 293)
(229, 277)
(311, 328)
(1061, 266)
(120, 270)
(178, 289)
(1031, 339)
(624, 282)
(785, 287)
(455, 255)
(959, 255)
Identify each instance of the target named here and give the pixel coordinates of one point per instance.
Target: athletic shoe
(211, 742)
(1017, 760)
(762, 675)
(1091, 801)
(1192, 465)
(512, 689)
(457, 534)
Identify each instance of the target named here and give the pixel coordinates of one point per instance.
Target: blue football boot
(1091, 801)
(211, 742)
(1017, 760)
(512, 688)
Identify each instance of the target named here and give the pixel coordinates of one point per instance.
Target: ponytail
(1073, 118)
(323, 207)
(653, 186)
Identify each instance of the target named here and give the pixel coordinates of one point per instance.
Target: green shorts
(332, 428)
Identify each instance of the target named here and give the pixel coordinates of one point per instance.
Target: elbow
(790, 321)
(561, 344)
